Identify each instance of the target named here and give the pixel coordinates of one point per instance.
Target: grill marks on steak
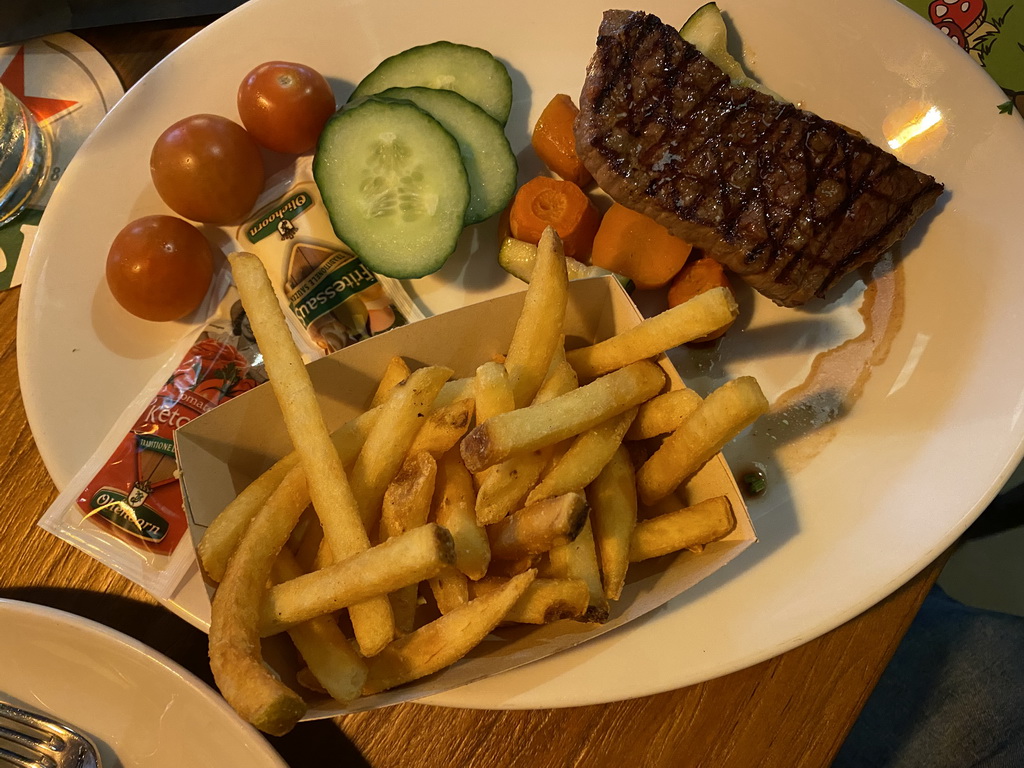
(786, 199)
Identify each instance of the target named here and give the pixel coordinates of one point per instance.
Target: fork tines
(31, 740)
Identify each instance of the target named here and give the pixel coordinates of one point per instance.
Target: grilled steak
(786, 199)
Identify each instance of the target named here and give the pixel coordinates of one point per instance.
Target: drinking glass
(24, 155)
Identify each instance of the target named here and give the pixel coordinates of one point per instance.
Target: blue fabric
(952, 696)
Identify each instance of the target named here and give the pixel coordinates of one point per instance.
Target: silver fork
(37, 741)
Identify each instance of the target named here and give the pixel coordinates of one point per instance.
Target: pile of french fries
(392, 547)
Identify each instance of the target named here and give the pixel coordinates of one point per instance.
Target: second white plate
(139, 707)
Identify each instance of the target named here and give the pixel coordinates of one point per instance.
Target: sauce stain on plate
(804, 418)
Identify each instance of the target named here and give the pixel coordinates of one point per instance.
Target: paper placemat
(991, 32)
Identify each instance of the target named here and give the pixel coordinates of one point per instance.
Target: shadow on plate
(304, 747)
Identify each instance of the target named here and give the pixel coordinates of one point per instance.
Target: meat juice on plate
(813, 366)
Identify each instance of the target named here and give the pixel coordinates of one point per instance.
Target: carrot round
(543, 202)
(504, 226)
(696, 277)
(554, 140)
(638, 247)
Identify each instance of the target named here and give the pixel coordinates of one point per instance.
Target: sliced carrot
(504, 227)
(698, 276)
(554, 140)
(638, 247)
(543, 202)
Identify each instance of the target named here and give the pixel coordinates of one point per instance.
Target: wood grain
(792, 711)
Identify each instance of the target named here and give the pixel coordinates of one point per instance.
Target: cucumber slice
(488, 157)
(394, 186)
(518, 258)
(706, 31)
(472, 72)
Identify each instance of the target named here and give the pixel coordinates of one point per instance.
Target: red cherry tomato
(159, 268)
(284, 106)
(207, 168)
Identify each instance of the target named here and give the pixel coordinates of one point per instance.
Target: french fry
(450, 589)
(235, 657)
(385, 448)
(613, 510)
(578, 560)
(583, 461)
(308, 680)
(725, 413)
(509, 568)
(537, 528)
(444, 641)
(561, 378)
(395, 373)
(329, 489)
(404, 604)
(504, 487)
(545, 601)
(329, 656)
(536, 426)
(663, 414)
(307, 548)
(307, 518)
(701, 315)
(671, 502)
(408, 498)
(685, 528)
(493, 391)
(538, 332)
(348, 439)
(222, 535)
(407, 559)
(407, 503)
(444, 427)
(455, 389)
(455, 510)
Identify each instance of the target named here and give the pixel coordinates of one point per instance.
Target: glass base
(24, 157)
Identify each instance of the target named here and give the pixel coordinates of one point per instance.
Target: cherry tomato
(207, 168)
(284, 106)
(159, 268)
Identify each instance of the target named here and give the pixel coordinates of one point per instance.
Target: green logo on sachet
(278, 221)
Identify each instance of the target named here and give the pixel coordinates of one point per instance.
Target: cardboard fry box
(222, 451)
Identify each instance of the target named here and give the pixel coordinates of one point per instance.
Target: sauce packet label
(136, 494)
(124, 507)
(331, 299)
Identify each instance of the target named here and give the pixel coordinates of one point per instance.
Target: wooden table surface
(793, 710)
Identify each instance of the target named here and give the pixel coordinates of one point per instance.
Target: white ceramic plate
(139, 707)
(931, 439)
